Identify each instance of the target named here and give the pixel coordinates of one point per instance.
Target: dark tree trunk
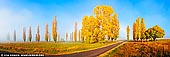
(154, 39)
(137, 39)
(112, 39)
(134, 39)
(108, 38)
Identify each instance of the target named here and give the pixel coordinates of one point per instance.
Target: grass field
(50, 47)
(159, 48)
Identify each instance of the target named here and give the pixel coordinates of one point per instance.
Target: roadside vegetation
(140, 46)
(158, 48)
(141, 33)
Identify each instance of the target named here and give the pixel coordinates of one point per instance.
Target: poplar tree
(84, 28)
(134, 31)
(66, 36)
(143, 29)
(24, 34)
(49, 36)
(75, 32)
(115, 27)
(72, 36)
(46, 33)
(54, 29)
(138, 28)
(30, 34)
(14, 35)
(128, 30)
(37, 34)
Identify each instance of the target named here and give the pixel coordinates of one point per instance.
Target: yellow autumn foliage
(104, 23)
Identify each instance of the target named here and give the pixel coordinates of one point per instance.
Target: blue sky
(16, 14)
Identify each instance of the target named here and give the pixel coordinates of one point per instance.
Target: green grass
(50, 47)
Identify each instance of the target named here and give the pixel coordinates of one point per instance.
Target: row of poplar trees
(140, 32)
(47, 34)
(55, 35)
(104, 24)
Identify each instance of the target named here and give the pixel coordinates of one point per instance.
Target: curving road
(90, 53)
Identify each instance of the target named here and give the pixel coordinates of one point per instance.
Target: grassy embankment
(159, 48)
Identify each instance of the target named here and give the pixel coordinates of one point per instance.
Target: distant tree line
(55, 35)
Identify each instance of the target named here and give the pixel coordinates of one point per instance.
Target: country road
(90, 53)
